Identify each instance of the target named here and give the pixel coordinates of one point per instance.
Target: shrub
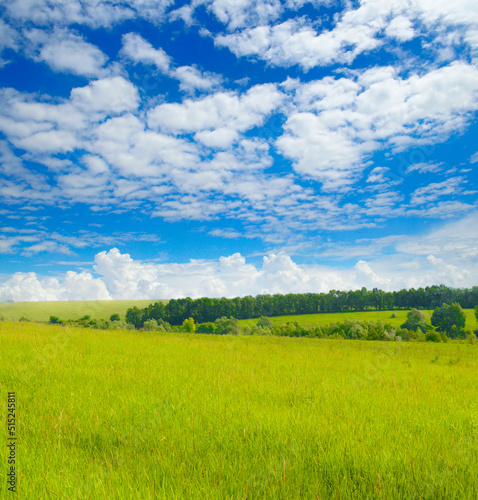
(120, 325)
(433, 336)
(226, 326)
(208, 327)
(265, 322)
(115, 317)
(415, 320)
(189, 325)
(150, 325)
(54, 320)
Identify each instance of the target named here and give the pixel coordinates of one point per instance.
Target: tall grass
(136, 415)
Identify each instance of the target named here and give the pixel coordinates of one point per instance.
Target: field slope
(41, 311)
(384, 316)
(137, 415)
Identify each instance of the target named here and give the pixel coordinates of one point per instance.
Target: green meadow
(384, 316)
(41, 311)
(138, 415)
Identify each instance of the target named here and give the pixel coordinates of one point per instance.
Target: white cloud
(401, 28)
(446, 255)
(94, 13)
(65, 51)
(136, 48)
(8, 39)
(430, 193)
(24, 287)
(295, 42)
(335, 124)
(238, 13)
(218, 138)
(424, 167)
(222, 109)
(356, 31)
(191, 79)
(109, 95)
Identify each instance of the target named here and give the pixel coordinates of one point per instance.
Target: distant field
(41, 311)
(103, 309)
(385, 316)
(137, 415)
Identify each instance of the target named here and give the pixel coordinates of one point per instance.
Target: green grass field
(41, 311)
(136, 415)
(384, 316)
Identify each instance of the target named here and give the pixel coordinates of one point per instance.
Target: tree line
(205, 309)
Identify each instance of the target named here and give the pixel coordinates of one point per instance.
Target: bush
(115, 317)
(226, 326)
(415, 320)
(265, 322)
(208, 327)
(120, 325)
(189, 325)
(54, 320)
(433, 336)
(101, 324)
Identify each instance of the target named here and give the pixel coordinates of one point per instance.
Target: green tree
(226, 326)
(134, 316)
(265, 322)
(54, 320)
(415, 320)
(449, 319)
(115, 317)
(189, 325)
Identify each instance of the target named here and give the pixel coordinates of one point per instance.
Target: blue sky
(161, 149)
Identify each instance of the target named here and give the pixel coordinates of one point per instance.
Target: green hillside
(384, 316)
(41, 311)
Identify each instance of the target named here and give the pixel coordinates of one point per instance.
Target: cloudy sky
(161, 148)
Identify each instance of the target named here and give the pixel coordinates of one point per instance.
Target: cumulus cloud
(445, 255)
(93, 13)
(68, 52)
(112, 95)
(136, 48)
(336, 123)
(355, 32)
(191, 79)
(222, 109)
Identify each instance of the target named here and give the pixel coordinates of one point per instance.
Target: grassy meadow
(74, 309)
(138, 415)
(384, 316)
